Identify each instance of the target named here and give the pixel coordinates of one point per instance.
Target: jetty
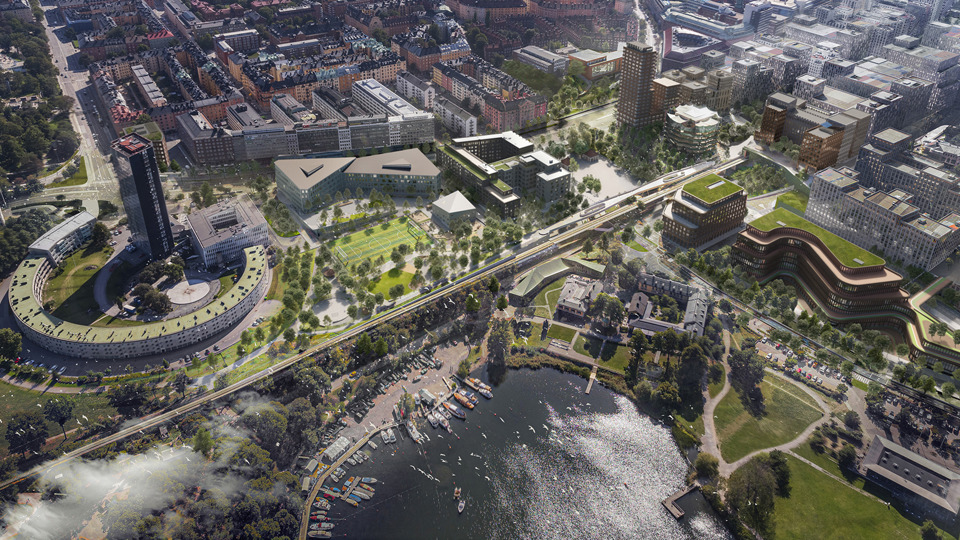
(670, 503)
(593, 377)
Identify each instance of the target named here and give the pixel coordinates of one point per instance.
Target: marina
(542, 461)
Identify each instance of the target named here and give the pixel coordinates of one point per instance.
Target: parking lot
(826, 376)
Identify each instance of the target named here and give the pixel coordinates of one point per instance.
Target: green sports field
(379, 240)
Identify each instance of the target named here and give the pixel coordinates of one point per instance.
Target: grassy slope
(78, 179)
(820, 507)
(389, 279)
(794, 199)
(788, 411)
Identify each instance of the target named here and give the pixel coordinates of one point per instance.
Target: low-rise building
(304, 184)
(704, 211)
(576, 296)
(64, 238)
(221, 232)
(451, 208)
(457, 120)
(925, 487)
(597, 64)
(542, 59)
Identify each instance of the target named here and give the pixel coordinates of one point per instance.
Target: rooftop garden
(848, 254)
(501, 185)
(470, 166)
(711, 188)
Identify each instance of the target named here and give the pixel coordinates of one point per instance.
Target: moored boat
(454, 410)
(368, 480)
(433, 420)
(463, 400)
(360, 493)
(352, 502)
(319, 534)
(367, 487)
(445, 423)
(480, 384)
(471, 396)
(355, 497)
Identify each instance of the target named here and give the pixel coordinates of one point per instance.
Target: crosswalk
(861, 378)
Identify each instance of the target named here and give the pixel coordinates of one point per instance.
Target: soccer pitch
(363, 245)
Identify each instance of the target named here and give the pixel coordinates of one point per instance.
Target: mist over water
(560, 464)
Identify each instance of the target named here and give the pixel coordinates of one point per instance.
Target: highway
(650, 194)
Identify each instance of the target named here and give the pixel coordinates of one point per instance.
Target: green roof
(28, 310)
(470, 166)
(539, 276)
(501, 185)
(848, 254)
(711, 188)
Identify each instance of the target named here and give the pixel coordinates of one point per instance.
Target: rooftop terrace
(848, 254)
(711, 188)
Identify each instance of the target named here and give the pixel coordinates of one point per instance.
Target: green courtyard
(546, 299)
(379, 241)
(71, 291)
(607, 353)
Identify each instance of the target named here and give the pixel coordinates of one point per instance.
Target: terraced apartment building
(833, 274)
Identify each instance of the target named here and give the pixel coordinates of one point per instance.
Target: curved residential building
(834, 274)
(63, 337)
(693, 129)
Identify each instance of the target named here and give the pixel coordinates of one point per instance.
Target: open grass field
(379, 240)
(788, 412)
(389, 279)
(72, 291)
(637, 246)
(821, 507)
(14, 399)
(546, 299)
(561, 332)
(277, 286)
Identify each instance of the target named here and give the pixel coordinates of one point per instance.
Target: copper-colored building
(820, 147)
(640, 64)
(703, 211)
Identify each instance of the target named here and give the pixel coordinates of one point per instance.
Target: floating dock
(670, 503)
(593, 377)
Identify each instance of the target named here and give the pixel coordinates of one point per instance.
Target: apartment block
(887, 221)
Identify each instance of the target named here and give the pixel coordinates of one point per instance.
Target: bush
(707, 466)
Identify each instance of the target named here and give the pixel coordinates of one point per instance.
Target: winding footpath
(710, 444)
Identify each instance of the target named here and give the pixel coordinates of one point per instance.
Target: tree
(100, 236)
(707, 466)
(693, 366)
(472, 304)
(927, 384)
(499, 341)
(847, 456)
(9, 344)
(638, 348)
(493, 285)
(266, 423)
(59, 410)
(502, 303)
(380, 348)
(289, 335)
(750, 493)
(26, 432)
(608, 311)
(948, 389)
(929, 531)
(202, 442)
(180, 382)
(746, 370)
(903, 350)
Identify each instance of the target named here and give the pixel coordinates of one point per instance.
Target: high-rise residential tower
(142, 195)
(638, 69)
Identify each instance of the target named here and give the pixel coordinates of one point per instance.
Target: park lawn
(277, 286)
(562, 333)
(78, 179)
(615, 356)
(589, 346)
(14, 399)
(859, 384)
(794, 199)
(72, 291)
(533, 340)
(828, 464)
(636, 245)
(546, 306)
(819, 506)
(788, 412)
(691, 421)
(389, 279)
(716, 387)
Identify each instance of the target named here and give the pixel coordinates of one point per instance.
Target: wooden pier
(670, 503)
(593, 377)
